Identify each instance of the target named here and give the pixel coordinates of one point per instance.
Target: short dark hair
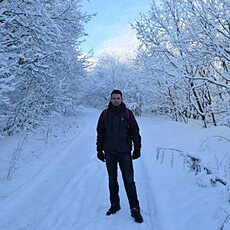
(116, 91)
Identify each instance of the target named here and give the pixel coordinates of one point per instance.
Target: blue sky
(110, 29)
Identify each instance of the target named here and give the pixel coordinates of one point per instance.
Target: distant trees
(111, 72)
(41, 65)
(185, 55)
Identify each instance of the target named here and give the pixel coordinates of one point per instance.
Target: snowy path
(71, 193)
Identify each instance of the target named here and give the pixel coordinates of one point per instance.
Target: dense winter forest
(181, 68)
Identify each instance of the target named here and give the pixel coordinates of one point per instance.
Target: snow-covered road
(70, 192)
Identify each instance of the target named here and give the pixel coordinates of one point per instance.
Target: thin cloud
(110, 31)
(123, 44)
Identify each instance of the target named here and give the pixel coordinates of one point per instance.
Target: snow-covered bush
(211, 165)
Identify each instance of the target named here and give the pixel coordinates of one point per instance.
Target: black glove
(136, 153)
(101, 155)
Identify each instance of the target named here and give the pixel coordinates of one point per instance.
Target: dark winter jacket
(113, 132)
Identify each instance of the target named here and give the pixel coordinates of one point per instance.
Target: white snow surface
(59, 184)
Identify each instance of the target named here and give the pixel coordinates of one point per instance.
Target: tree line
(180, 69)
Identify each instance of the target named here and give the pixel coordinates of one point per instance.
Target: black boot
(113, 209)
(136, 214)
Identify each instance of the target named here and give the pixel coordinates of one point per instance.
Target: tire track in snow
(145, 180)
(147, 199)
(76, 201)
(67, 210)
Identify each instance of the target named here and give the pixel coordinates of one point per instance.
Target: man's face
(116, 99)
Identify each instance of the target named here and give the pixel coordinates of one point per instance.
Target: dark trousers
(126, 166)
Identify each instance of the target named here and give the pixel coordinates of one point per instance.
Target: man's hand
(136, 154)
(101, 155)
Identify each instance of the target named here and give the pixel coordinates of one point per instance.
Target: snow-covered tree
(41, 63)
(185, 50)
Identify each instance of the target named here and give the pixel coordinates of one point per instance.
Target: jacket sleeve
(135, 131)
(100, 133)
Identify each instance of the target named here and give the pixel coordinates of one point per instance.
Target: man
(117, 129)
